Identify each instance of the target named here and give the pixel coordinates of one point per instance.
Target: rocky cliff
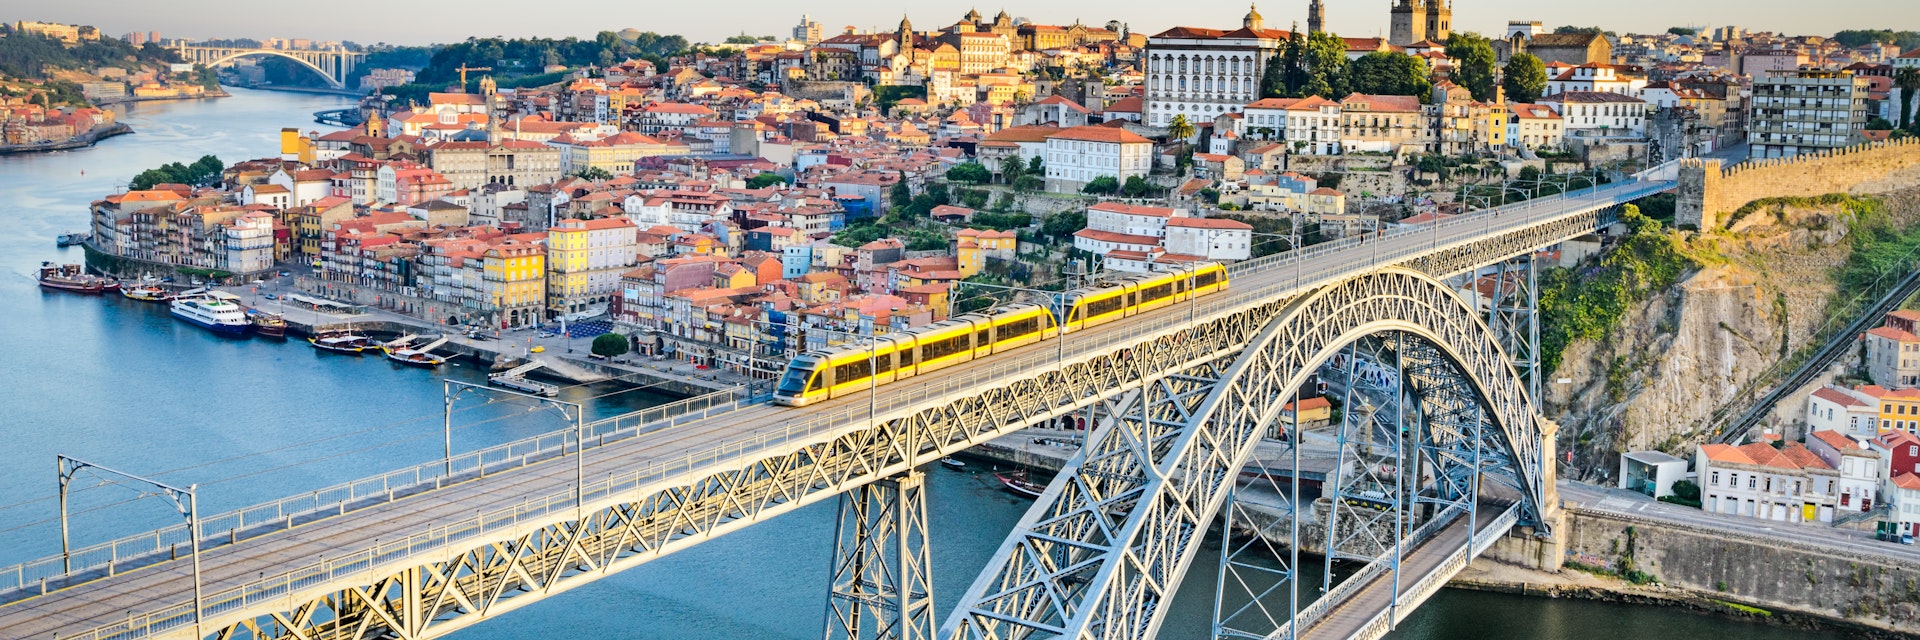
(1757, 292)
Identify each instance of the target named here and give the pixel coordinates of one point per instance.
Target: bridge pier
(882, 579)
(1527, 545)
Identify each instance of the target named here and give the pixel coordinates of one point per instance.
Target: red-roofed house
(1850, 412)
(1078, 155)
(1789, 484)
(1893, 351)
(1857, 467)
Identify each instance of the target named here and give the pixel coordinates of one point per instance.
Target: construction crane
(463, 74)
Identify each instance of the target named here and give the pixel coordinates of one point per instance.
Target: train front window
(795, 381)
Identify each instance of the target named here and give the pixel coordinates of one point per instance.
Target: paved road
(1813, 536)
(1353, 615)
(91, 605)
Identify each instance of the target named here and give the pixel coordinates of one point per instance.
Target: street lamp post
(578, 414)
(187, 501)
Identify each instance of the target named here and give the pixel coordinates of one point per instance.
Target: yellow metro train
(839, 371)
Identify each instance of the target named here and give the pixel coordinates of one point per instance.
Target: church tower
(1253, 20)
(1439, 20)
(1316, 17)
(1409, 22)
(905, 35)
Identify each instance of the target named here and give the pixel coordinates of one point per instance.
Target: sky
(429, 21)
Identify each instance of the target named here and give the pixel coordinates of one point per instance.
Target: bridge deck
(1354, 615)
(114, 599)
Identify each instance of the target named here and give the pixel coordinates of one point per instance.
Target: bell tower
(1409, 22)
(1439, 20)
(1316, 17)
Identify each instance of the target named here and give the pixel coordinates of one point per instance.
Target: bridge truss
(1181, 403)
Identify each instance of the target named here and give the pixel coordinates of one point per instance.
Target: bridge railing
(1376, 567)
(232, 526)
(1271, 284)
(1457, 559)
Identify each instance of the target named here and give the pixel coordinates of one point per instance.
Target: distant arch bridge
(333, 65)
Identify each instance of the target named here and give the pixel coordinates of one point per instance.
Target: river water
(122, 384)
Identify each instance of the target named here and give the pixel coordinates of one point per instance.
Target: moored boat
(342, 342)
(1016, 483)
(71, 277)
(148, 292)
(214, 311)
(953, 464)
(270, 325)
(70, 239)
(415, 358)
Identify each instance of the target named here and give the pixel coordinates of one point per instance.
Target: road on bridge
(114, 600)
(1357, 612)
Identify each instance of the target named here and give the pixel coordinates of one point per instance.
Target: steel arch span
(329, 76)
(1104, 550)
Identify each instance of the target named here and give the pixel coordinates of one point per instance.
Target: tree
(1063, 224)
(1908, 81)
(1525, 78)
(1391, 74)
(1029, 183)
(1570, 29)
(1179, 128)
(765, 180)
(1273, 81)
(1307, 65)
(1136, 187)
(1102, 185)
(1011, 168)
(1879, 124)
(1682, 31)
(595, 174)
(1473, 64)
(610, 345)
(899, 194)
(743, 38)
(1037, 166)
(970, 173)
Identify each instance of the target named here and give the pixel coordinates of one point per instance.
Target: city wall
(1709, 192)
(1868, 590)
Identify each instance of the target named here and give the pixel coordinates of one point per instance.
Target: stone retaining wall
(1709, 191)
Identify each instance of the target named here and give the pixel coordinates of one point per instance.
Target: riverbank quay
(82, 141)
(497, 350)
(129, 99)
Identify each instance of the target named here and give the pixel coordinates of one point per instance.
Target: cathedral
(1418, 20)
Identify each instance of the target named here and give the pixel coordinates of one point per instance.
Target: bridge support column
(1513, 314)
(882, 574)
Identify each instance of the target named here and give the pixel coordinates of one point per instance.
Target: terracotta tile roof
(1835, 439)
(1907, 481)
(1117, 238)
(1132, 209)
(1838, 397)
(1893, 334)
(1209, 223)
(1100, 134)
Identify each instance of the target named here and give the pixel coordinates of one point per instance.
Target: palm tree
(1179, 129)
(1908, 80)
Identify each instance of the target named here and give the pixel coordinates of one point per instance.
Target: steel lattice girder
(1106, 546)
(639, 525)
(651, 521)
(882, 574)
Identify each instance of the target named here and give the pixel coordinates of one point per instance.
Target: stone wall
(1871, 590)
(1708, 192)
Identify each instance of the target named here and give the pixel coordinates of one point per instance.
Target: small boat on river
(74, 278)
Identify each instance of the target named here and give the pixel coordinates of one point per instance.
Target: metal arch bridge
(333, 65)
(1181, 397)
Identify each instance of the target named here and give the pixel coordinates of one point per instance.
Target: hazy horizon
(429, 22)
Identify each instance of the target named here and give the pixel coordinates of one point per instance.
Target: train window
(1132, 298)
(886, 362)
(943, 348)
(1206, 278)
(1180, 286)
(1102, 307)
(1151, 294)
(819, 382)
(985, 338)
(853, 371)
(1019, 328)
(906, 357)
(795, 381)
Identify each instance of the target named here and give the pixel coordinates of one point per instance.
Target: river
(122, 384)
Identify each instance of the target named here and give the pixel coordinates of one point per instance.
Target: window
(1716, 478)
